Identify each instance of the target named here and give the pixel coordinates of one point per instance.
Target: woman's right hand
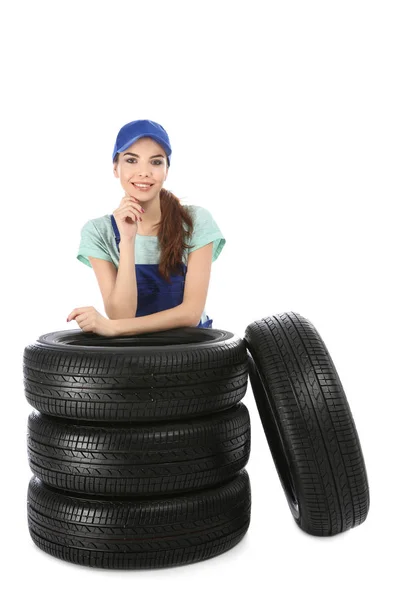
(127, 215)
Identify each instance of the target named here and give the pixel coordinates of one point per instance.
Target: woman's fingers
(76, 312)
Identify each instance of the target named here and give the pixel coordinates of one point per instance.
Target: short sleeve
(91, 244)
(206, 230)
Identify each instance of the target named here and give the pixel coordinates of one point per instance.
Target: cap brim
(133, 140)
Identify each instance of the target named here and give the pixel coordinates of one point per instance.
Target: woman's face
(149, 165)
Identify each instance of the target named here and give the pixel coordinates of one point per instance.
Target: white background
(284, 122)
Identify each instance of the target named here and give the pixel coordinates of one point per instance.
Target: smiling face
(144, 161)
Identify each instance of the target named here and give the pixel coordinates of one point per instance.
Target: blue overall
(154, 293)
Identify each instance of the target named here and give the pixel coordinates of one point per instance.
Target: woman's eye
(159, 162)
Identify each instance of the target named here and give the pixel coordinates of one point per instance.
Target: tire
(139, 460)
(308, 424)
(140, 534)
(168, 375)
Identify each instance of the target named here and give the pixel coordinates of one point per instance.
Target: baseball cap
(129, 133)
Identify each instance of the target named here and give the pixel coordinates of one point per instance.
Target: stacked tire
(138, 446)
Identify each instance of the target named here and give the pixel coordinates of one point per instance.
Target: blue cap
(129, 133)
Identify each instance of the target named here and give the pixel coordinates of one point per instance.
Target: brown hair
(171, 233)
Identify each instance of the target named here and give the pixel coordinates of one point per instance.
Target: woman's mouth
(142, 188)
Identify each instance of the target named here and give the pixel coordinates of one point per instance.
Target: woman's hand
(90, 320)
(127, 216)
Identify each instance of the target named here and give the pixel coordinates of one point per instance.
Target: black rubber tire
(308, 424)
(169, 375)
(145, 460)
(139, 534)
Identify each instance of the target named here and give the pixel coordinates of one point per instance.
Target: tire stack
(137, 446)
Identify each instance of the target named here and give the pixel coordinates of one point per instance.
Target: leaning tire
(139, 460)
(173, 374)
(142, 534)
(308, 424)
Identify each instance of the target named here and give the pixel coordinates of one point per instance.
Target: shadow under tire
(166, 375)
(150, 459)
(139, 534)
(308, 424)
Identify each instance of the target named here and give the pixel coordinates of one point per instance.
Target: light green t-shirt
(98, 239)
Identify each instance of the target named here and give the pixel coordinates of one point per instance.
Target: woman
(152, 257)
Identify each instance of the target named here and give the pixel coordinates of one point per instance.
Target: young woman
(152, 257)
